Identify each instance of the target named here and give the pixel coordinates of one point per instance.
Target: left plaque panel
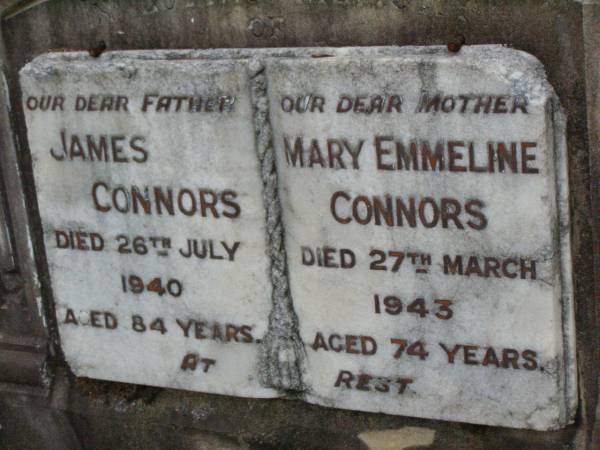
(150, 198)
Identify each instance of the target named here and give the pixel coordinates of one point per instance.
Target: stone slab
(134, 162)
(497, 341)
(424, 199)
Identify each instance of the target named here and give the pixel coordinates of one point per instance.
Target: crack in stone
(281, 356)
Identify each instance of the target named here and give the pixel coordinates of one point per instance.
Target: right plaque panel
(425, 205)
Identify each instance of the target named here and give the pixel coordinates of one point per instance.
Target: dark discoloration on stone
(552, 31)
(109, 415)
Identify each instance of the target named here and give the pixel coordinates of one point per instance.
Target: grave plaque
(377, 229)
(150, 197)
(424, 200)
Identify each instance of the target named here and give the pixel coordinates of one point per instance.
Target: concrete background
(43, 406)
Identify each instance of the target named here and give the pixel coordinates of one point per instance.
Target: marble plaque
(150, 196)
(424, 200)
(377, 229)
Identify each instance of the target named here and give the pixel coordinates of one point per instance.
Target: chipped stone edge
(568, 374)
(487, 51)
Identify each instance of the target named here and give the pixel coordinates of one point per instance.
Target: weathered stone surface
(425, 205)
(496, 339)
(552, 31)
(159, 156)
